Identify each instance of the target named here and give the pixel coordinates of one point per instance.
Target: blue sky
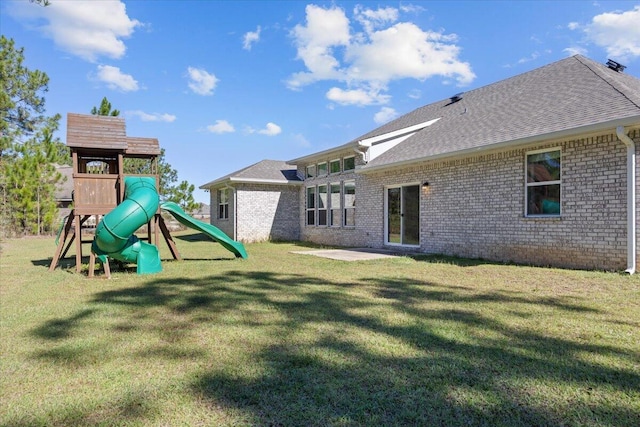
(224, 84)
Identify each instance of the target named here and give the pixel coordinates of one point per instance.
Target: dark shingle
(572, 93)
(265, 171)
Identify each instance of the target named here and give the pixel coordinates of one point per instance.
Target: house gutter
(631, 199)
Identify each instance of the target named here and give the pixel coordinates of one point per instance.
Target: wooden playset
(99, 146)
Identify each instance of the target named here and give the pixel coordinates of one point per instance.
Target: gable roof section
(91, 131)
(569, 96)
(263, 172)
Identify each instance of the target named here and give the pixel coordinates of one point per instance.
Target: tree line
(30, 154)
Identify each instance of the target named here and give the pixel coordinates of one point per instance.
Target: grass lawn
(282, 339)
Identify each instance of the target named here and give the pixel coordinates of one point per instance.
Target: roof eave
(238, 180)
(608, 125)
(264, 181)
(320, 154)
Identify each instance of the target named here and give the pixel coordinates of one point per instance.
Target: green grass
(282, 339)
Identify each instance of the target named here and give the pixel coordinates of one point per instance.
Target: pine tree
(105, 109)
(182, 194)
(21, 101)
(31, 180)
(27, 147)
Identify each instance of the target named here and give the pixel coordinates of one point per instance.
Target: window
(543, 183)
(334, 204)
(349, 217)
(311, 205)
(334, 166)
(223, 203)
(322, 204)
(349, 163)
(322, 169)
(311, 171)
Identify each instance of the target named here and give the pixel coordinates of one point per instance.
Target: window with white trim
(223, 203)
(322, 204)
(310, 171)
(311, 205)
(349, 206)
(543, 183)
(334, 166)
(334, 204)
(322, 169)
(349, 163)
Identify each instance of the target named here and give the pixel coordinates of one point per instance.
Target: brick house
(536, 169)
(259, 202)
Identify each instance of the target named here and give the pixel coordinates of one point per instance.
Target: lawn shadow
(57, 329)
(336, 377)
(453, 260)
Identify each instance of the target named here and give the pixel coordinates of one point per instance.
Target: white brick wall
(268, 212)
(264, 212)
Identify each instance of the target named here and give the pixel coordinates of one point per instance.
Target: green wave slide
(115, 236)
(212, 231)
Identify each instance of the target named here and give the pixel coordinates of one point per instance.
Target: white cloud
(415, 94)
(271, 129)
(220, 127)
(300, 140)
(532, 57)
(371, 19)
(201, 82)
(151, 117)
(250, 38)
(575, 50)
(367, 61)
(88, 29)
(325, 29)
(116, 79)
(356, 97)
(411, 8)
(617, 32)
(573, 25)
(386, 114)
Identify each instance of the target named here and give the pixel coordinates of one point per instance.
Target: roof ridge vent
(615, 66)
(457, 97)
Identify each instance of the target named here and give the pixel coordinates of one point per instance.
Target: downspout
(235, 211)
(631, 199)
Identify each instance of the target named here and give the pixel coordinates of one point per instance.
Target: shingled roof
(264, 172)
(566, 97)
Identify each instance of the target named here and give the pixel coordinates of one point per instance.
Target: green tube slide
(212, 231)
(115, 233)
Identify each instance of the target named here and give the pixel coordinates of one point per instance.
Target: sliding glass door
(403, 215)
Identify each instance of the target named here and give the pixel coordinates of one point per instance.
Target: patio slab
(351, 254)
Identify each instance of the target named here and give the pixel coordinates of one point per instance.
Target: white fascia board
(263, 181)
(226, 181)
(368, 142)
(325, 154)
